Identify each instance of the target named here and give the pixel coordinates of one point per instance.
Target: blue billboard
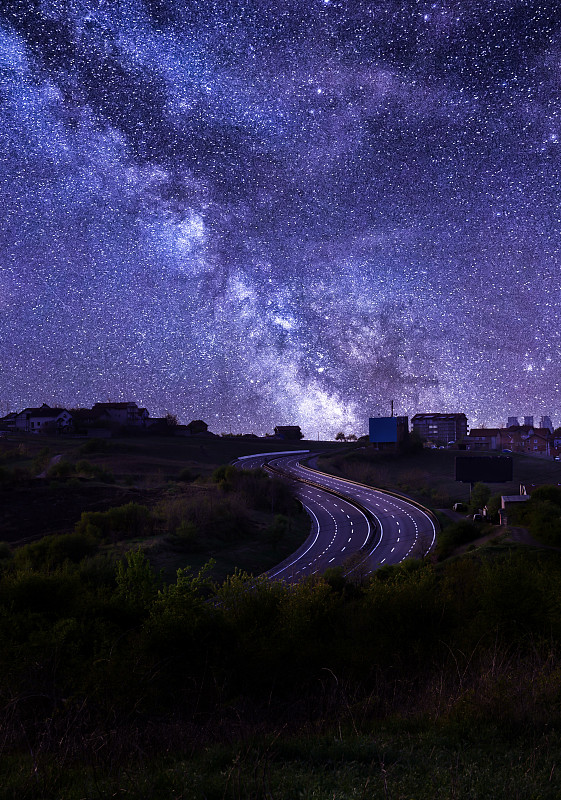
(382, 429)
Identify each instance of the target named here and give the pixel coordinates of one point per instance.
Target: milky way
(275, 212)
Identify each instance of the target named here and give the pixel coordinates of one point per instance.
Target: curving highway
(353, 525)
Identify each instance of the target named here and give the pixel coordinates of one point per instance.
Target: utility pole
(392, 408)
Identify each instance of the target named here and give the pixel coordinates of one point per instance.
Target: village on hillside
(435, 430)
(109, 419)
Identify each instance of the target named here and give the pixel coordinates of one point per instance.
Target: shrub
(542, 515)
(226, 476)
(5, 551)
(256, 488)
(94, 471)
(204, 517)
(137, 585)
(479, 496)
(121, 522)
(454, 536)
(544, 521)
(185, 536)
(94, 445)
(493, 506)
(52, 551)
(39, 592)
(62, 469)
(278, 529)
(41, 460)
(187, 475)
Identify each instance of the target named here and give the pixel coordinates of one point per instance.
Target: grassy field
(399, 762)
(152, 457)
(163, 473)
(428, 476)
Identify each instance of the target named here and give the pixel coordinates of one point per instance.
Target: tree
(340, 437)
(479, 496)
(493, 506)
(171, 420)
(137, 585)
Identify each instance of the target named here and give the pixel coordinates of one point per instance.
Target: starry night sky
(263, 212)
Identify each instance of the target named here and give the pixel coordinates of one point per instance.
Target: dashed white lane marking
(309, 510)
(374, 497)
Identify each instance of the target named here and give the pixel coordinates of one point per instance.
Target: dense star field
(265, 212)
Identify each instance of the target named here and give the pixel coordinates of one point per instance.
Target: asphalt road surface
(354, 526)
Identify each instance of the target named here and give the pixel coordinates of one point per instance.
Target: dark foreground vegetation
(121, 676)
(429, 681)
(173, 498)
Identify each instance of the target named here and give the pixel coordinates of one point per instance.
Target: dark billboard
(487, 469)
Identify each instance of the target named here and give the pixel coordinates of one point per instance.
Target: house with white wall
(43, 420)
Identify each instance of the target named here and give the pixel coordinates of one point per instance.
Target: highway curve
(353, 525)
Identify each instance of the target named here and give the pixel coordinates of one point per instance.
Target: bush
(256, 488)
(185, 537)
(542, 515)
(187, 475)
(137, 585)
(41, 460)
(38, 592)
(454, 536)
(226, 476)
(121, 522)
(278, 529)
(94, 471)
(544, 521)
(5, 551)
(94, 445)
(62, 469)
(479, 496)
(53, 551)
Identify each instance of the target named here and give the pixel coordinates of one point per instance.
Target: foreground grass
(400, 760)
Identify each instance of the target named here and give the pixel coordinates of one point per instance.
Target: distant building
(512, 421)
(120, 413)
(545, 422)
(197, 427)
(288, 432)
(529, 421)
(43, 420)
(508, 503)
(526, 439)
(482, 439)
(440, 428)
(8, 423)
